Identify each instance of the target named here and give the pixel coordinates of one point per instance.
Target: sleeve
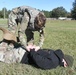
(60, 55)
(41, 61)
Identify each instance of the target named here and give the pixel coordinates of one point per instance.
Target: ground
(58, 35)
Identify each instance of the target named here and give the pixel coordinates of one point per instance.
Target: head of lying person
(69, 60)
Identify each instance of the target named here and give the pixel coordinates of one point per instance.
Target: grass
(3, 21)
(58, 35)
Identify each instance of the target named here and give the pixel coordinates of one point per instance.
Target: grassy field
(2, 21)
(58, 35)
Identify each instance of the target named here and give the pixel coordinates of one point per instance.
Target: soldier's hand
(29, 47)
(37, 48)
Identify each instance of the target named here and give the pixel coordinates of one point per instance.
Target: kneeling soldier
(28, 20)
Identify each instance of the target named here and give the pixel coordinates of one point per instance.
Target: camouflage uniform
(26, 15)
(12, 25)
(13, 55)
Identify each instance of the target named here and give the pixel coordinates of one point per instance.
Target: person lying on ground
(40, 58)
(47, 58)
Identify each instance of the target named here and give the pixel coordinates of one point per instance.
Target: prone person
(39, 58)
(33, 55)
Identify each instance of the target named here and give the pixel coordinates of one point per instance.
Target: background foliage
(6, 13)
(73, 11)
(55, 13)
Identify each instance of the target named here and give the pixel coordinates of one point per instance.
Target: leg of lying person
(16, 55)
(3, 49)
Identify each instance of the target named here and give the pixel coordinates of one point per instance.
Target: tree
(59, 12)
(47, 14)
(7, 13)
(73, 11)
(4, 13)
(69, 14)
(1, 14)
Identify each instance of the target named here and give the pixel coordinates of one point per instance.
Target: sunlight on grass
(58, 35)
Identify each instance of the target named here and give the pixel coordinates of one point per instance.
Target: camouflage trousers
(11, 55)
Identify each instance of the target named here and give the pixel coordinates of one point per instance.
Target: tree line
(4, 13)
(55, 13)
(61, 12)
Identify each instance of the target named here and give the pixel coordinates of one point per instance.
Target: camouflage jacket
(32, 11)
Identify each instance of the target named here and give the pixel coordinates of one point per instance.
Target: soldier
(28, 20)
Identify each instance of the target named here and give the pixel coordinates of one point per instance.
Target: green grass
(3, 21)
(58, 35)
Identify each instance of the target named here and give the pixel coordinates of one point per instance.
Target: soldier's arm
(41, 40)
(22, 29)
